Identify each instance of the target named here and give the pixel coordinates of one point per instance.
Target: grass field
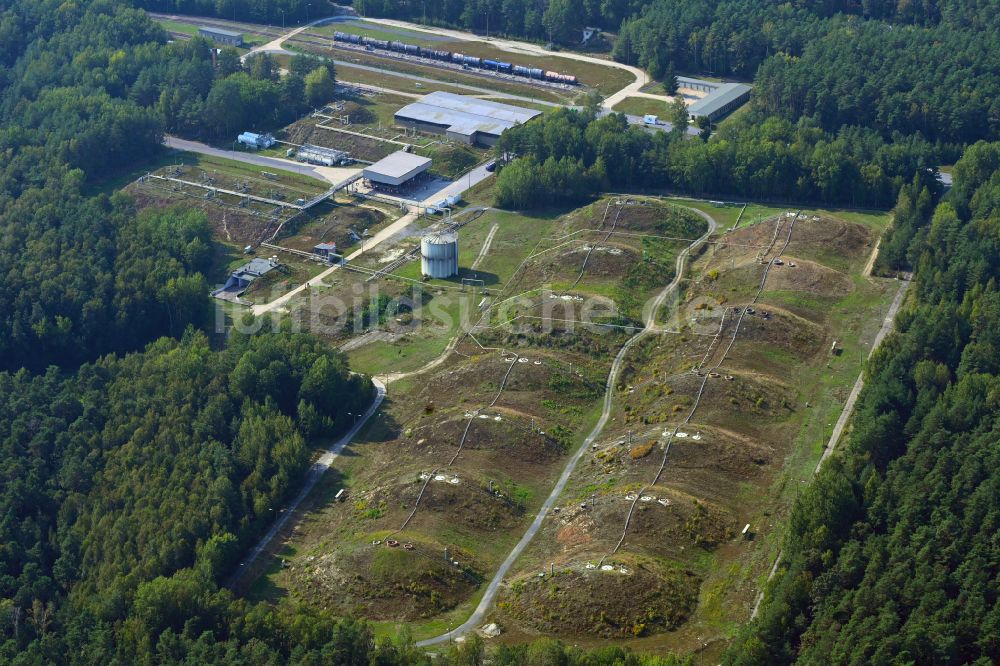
(178, 27)
(386, 79)
(377, 31)
(641, 106)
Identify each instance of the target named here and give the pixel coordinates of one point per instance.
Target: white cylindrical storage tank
(439, 255)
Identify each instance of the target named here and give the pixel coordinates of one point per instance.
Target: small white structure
(650, 119)
(439, 255)
(255, 141)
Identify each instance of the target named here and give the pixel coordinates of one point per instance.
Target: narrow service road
(314, 474)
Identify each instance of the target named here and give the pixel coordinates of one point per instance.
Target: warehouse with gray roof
(396, 170)
(726, 97)
(220, 36)
(461, 118)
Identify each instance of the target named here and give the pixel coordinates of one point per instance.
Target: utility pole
(282, 19)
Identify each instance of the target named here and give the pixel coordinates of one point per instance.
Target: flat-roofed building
(725, 98)
(326, 250)
(461, 118)
(396, 170)
(219, 36)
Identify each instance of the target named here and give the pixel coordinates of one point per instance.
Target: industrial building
(326, 250)
(439, 255)
(255, 141)
(396, 171)
(697, 84)
(320, 155)
(241, 278)
(461, 118)
(723, 98)
(227, 37)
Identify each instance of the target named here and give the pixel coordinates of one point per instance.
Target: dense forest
(569, 155)
(139, 466)
(274, 12)
(892, 553)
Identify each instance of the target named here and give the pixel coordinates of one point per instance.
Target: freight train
(457, 58)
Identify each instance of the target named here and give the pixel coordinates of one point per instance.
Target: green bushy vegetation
(568, 155)
(272, 12)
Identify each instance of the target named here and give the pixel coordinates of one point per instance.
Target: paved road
(661, 126)
(274, 46)
(845, 414)
(461, 184)
(332, 175)
(650, 326)
(313, 476)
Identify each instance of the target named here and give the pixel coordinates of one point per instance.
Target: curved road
(649, 316)
(315, 473)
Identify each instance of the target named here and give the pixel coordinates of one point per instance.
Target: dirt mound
(468, 505)
(782, 339)
(830, 241)
(809, 277)
(557, 311)
(648, 598)
(747, 242)
(684, 520)
(719, 452)
(388, 583)
(697, 459)
(607, 259)
(748, 404)
(494, 430)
